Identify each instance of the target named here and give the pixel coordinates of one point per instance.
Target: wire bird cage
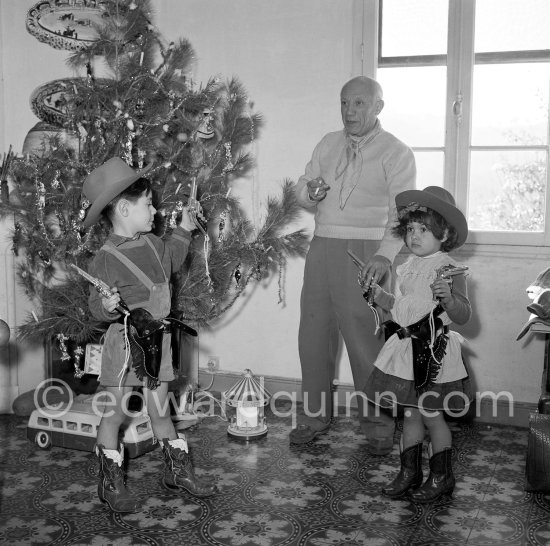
(249, 397)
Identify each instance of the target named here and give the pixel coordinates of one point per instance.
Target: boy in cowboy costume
(137, 266)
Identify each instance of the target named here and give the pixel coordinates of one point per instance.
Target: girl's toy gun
(103, 288)
(447, 272)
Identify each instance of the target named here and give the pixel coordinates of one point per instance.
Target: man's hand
(375, 269)
(317, 189)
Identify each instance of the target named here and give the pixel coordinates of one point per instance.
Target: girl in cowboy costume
(420, 367)
(137, 266)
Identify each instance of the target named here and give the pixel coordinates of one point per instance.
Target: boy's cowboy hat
(440, 200)
(105, 182)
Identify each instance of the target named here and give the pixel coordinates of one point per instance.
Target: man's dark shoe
(303, 434)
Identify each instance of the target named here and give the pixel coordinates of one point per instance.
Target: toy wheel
(43, 440)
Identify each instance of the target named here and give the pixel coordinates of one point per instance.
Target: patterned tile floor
(272, 494)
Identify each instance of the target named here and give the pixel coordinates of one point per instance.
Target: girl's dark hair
(132, 193)
(433, 221)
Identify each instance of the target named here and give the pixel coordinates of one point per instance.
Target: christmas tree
(146, 109)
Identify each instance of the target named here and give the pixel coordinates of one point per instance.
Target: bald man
(350, 184)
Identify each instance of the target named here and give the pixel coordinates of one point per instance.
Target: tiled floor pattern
(273, 494)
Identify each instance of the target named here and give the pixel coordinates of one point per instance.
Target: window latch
(457, 108)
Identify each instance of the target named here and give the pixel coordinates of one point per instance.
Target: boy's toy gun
(103, 288)
(195, 208)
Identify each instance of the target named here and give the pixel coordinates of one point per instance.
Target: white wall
(292, 56)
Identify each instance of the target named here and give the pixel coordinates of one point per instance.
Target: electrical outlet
(213, 363)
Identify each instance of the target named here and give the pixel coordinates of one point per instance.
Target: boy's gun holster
(145, 337)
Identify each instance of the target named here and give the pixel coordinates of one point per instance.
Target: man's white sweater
(388, 168)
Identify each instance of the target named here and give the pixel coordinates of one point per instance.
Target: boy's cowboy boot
(410, 474)
(112, 483)
(441, 480)
(178, 471)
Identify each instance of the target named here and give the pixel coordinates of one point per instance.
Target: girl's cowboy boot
(112, 482)
(178, 471)
(441, 480)
(410, 474)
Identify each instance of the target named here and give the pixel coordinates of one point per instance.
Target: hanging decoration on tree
(147, 110)
(221, 226)
(205, 129)
(64, 24)
(238, 274)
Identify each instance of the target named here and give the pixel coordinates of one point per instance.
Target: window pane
(510, 104)
(507, 191)
(512, 25)
(414, 104)
(429, 169)
(414, 28)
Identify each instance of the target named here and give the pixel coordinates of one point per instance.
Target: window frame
(460, 61)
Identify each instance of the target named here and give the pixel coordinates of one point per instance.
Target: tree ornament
(55, 181)
(78, 353)
(129, 147)
(44, 257)
(90, 74)
(61, 338)
(140, 107)
(4, 333)
(228, 158)
(41, 194)
(205, 129)
(238, 274)
(221, 226)
(83, 206)
(141, 157)
(16, 239)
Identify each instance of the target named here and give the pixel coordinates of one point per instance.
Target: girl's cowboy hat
(440, 200)
(105, 182)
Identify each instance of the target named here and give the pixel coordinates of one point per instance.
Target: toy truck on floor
(75, 427)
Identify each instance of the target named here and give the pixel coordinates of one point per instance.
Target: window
(466, 85)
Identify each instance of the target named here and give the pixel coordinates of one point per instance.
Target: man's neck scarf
(350, 163)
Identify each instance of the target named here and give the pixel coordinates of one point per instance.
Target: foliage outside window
(466, 85)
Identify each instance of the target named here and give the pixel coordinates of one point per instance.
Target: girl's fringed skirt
(388, 391)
